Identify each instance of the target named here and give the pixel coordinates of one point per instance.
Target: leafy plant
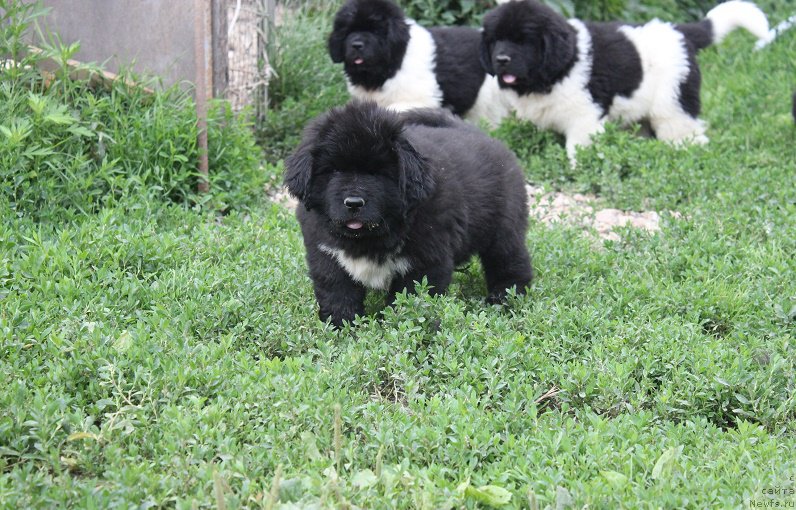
(305, 84)
(74, 145)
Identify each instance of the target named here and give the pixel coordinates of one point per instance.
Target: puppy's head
(528, 46)
(358, 170)
(370, 38)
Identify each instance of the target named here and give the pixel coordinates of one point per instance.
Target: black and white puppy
(395, 62)
(571, 76)
(388, 198)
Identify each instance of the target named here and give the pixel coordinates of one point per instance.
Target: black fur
(458, 69)
(689, 98)
(616, 65)
(380, 25)
(699, 34)
(436, 191)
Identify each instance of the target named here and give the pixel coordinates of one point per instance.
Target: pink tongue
(509, 78)
(358, 61)
(354, 225)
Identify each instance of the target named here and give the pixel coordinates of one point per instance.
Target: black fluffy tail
(431, 117)
(699, 34)
(723, 19)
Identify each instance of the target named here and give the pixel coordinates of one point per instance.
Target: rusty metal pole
(204, 84)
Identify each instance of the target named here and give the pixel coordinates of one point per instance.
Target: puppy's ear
(415, 181)
(298, 172)
(486, 56)
(342, 21)
(560, 46)
(337, 44)
(299, 165)
(397, 36)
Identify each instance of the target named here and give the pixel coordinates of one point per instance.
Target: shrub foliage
(70, 145)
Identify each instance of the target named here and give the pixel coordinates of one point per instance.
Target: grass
(157, 354)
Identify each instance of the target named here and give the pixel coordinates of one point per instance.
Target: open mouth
(354, 225)
(359, 61)
(509, 79)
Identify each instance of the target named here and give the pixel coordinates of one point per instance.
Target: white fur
(415, 84)
(775, 32)
(734, 14)
(491, 104)
(368, 272)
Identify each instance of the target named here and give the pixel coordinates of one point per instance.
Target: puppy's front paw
(501, 297)
(338, 317)
(496, 298)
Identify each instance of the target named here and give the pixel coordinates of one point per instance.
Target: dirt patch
(576, 210)
(279, 194)
(581, 210)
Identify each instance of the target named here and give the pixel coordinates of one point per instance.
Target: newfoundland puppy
(389, 198)
(393, 61)
(571, 76)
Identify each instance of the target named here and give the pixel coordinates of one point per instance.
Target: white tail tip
(728, 16)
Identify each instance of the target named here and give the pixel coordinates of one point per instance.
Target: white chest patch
(368, 272)
(415, 84)
(491, 105)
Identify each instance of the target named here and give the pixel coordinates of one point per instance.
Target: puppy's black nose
(357, 45)
(354, 203)
(503, 59)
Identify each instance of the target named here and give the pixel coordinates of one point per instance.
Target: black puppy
(395, 62)
(391, 198)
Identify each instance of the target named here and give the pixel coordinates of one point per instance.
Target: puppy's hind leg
(679, 128)
(506, 264)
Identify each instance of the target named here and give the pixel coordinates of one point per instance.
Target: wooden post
(220, 49)
(204, 84)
